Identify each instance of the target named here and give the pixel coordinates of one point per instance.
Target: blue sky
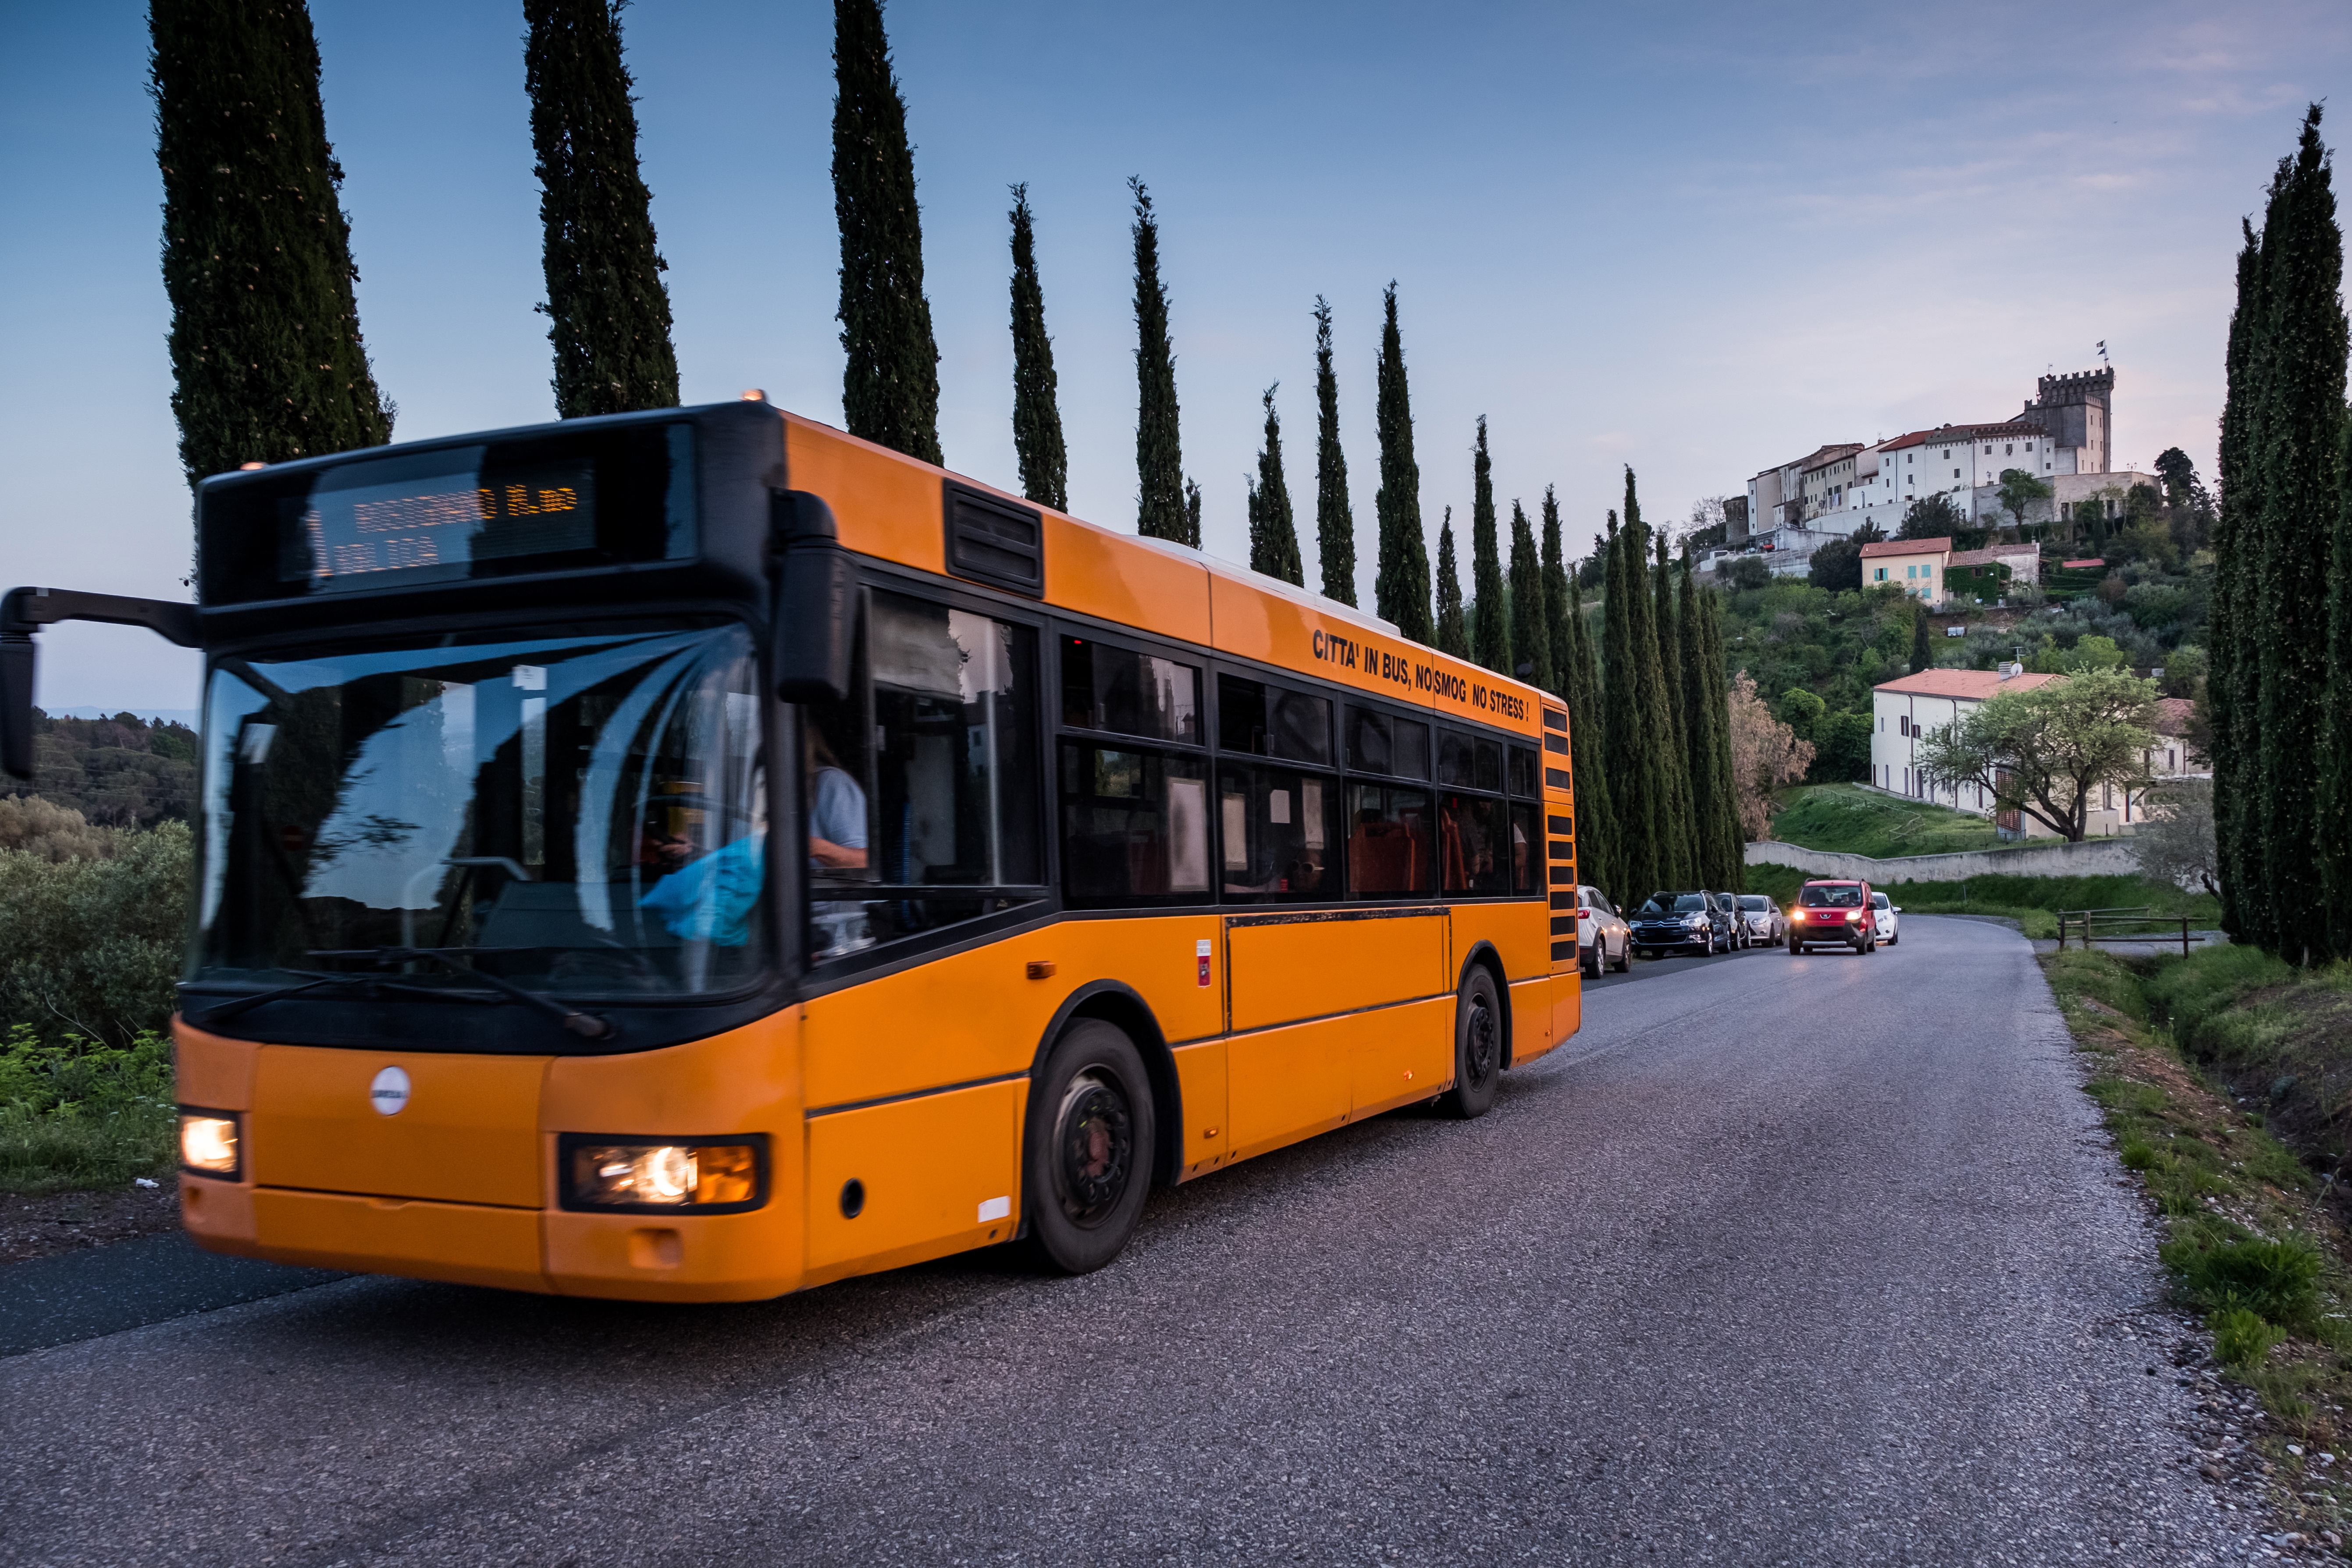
(1697, 239)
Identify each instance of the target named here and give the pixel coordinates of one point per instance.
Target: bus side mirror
(16, 704)
(25, 611)
(816, 602)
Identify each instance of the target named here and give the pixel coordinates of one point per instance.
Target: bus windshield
(582, 813)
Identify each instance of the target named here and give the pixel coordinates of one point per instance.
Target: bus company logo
(389, 1093)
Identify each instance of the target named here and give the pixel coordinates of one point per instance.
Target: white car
(1600, 931)
(1886, 915)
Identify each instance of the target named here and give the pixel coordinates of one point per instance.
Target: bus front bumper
(700, 1258)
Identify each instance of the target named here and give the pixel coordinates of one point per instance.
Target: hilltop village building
(2061, 436)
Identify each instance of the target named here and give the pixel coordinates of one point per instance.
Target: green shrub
(2138, 1154)
(2278, 1279)
(2241, 1338)
(79, 1113)
(92, 946)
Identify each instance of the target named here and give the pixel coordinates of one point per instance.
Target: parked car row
(1827, 912)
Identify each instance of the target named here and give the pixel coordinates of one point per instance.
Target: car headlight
(1695, 921)
(707, 1175)
(209, 1144)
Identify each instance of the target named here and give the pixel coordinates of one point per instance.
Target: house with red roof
(1906, 710)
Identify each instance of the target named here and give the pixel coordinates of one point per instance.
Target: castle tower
(2077, 411)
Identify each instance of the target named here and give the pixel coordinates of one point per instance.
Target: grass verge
(2252, 1240)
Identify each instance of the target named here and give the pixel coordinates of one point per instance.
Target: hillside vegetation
(121, 772)
(1852, 820)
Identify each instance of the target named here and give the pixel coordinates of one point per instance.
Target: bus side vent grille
(994, 541)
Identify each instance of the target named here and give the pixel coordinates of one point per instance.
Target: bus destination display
(446, 520)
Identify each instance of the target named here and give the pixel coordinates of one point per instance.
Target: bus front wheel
(1477, 1046)
(1088, 1167)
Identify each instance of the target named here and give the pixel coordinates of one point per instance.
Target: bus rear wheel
(1477, 1046)
(1088, 1167)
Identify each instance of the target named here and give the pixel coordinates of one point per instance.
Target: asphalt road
(1817, 1260)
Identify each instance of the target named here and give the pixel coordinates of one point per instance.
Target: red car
(1832, 912)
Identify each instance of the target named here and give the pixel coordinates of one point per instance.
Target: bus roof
(892, 507)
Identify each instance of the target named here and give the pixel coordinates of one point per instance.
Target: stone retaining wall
(2092, 857)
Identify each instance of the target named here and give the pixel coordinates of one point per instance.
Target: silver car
(1762, 920)
(1601, 934)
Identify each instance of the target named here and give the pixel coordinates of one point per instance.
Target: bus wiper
(587, 1026)
(237, 1005)
(230, 1009)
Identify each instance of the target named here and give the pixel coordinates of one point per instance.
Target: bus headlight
(208, 1142)
(709, 1176)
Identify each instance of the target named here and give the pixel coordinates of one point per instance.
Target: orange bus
(1101, 864)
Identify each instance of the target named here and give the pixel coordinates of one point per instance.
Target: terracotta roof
(1916, 439)
(2093, 560)
(2172, 715)
(1907, 547)
(1975, 685)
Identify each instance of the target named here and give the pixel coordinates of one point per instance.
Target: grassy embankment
(1852, 820)
(2226, 1078)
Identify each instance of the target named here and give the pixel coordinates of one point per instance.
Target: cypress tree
(890, 384)
(1707, 715)
(1490, 627)
(1036, 413)
(1922, 656)
(1335, 519)
(1451, 637)
(1559, 606)
(1597, 848)
(1166, 507)
(1400, 586)
(2298, 448)
(1629, 766)
(266, 358)
(2230, 678)
(1725, 787)
(1530, 626)
(608, 309)
(1274, 537)
(1678, 848)
(2336, 797)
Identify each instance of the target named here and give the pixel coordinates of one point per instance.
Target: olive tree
(2046, 750)
(2019, 491)
(2176, 842)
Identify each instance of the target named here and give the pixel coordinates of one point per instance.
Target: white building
(1905, 711)
(2063, 435)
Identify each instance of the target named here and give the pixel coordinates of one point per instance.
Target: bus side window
(943, 773)
(1389, 842)
(1135, 825)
